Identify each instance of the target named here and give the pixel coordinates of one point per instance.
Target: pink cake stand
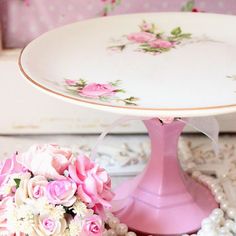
(146, 65)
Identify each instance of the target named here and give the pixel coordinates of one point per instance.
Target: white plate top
(158, 64)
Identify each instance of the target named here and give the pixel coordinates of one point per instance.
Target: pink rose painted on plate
(105, 92)
(152, 40)
(159, 43)
(141, 37)
(95, 90)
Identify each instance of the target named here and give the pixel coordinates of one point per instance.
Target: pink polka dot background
(22, 22)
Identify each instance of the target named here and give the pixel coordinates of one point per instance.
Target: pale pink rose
(46, 225)
(95, 90)
(61, 192)
(47, 160)
(159, 43)
(8, 167)
(70, 82)
(21, 193)
(37, 187)
(94, 183)
(141, 37)
(92, 226)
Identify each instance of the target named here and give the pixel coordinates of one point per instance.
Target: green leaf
(119, 91)
(179, 37)
(132, 99)
(116, 83)
(144, 45)
(185, 35)
(81, 82)
(176, 31)
(152, 49)
(17, 181)
(104, 99)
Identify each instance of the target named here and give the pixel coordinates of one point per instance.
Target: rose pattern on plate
(151, 39)
(105, 92)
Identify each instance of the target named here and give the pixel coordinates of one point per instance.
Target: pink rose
(8, 167)
(94, 183)
(37, 187)
(79, 169)
(45, 225)
(159, 43)
(61, 192)
(141, 37)
(70, 82)
(92, 226)
(48, 224)
(47, 160)
(95, 90)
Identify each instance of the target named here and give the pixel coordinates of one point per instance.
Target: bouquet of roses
(49, 191)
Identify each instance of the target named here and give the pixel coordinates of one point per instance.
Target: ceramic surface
(156, 64)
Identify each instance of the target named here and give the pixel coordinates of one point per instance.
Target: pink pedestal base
(163, 200)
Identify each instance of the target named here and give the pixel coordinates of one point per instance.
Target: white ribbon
(206, 125)
(209, 126)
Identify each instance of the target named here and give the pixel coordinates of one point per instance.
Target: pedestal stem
(163, 174)
(163, 200)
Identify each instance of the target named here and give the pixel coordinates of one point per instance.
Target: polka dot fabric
(24, 20)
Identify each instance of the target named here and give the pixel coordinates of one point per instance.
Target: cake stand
(152, 66)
